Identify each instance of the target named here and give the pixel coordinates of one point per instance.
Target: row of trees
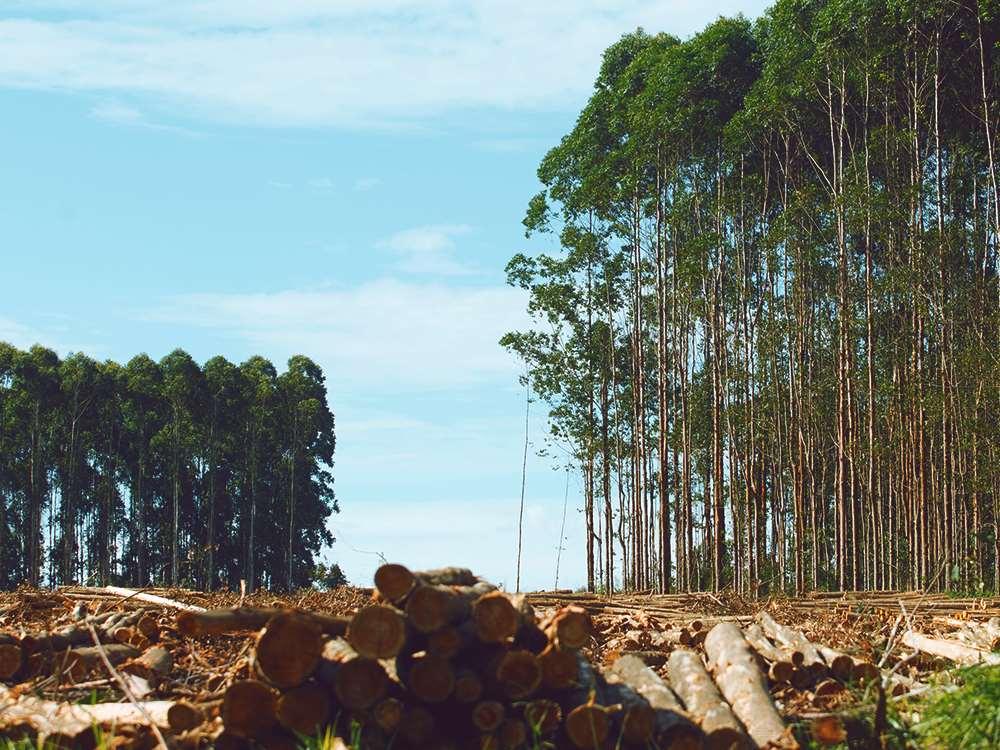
(771, 337)
(162, 472)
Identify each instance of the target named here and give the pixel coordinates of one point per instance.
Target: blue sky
(341, 179)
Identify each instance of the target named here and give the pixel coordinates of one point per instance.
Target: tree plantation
(162, 472)
(771, 337)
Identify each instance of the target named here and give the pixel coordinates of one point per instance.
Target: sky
(344, 179)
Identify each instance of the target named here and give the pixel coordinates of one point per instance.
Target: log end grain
(249, 708)
(394, 582)
(519, 674)
(304, 709)
(495, 618)
(588, 726)
(377, 632)
(288, 650)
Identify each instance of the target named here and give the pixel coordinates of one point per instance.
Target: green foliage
(329, 577)
(967, 718)
(162, 472)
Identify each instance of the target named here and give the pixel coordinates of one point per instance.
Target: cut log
(487, 716)
(160, 601)
(570, 627)
(804, 653)
(11, 656)
(513, 734)
(744, 686)
(780, 666)
(468, 686)
(358, 683)
(417, 726)
(841, 665)
(71, 725)
(221, 621)
(377, 632)
(828, 730)
(304, 709)
(952, 650)
(519, 674)
(387, 714)
(394, 582)
(430, 608)
(249, 708)
(636, 716)
(429, 678)
(588, 726)
(673, 726)
(81, 662)
(288, 650)
(153, 665)
(701, 697)
(543, 716)
(560, 668)
(496, 618)
(183, 716)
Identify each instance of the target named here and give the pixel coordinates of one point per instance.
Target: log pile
(442, 659)
(438, 659)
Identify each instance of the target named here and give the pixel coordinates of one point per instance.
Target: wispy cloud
(428, 249)
(321, 183)
(389, 333)
(116, 113)
(279, 185)
(308, 62)
(365, 184)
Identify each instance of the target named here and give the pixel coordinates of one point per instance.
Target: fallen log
(71, 724)
(357, 682)
(701, 697)
(673, 727)
(947, 649)
(249, 709)
(780, 666)
(153, 665)
(221, 621)
(377, 632)
(803, 652)
(743, 685)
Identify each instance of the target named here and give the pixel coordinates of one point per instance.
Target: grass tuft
(967, 718)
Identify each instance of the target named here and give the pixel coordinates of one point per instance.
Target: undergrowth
(965, 718)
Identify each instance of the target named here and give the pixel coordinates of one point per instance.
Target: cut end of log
(387, 714)
(638, 724)
(11, 660)
(495, 618)
(377, 632)
(519, 673)
(487, 716)
(560, 668)
(427, 608)
(417, 726)
(288, 650)
(304, 709)
(394, 582)
(183, 716)
(828, 730)
(588, 726)
(360, 684)
(571, 627)
(431, 679)
(249, 708)
(468, 687)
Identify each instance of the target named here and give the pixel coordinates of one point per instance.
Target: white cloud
(428, 249)
(279, 185)
(310, 62)
(120, 114)
(391, 333)
(321, 183)
(364, 184)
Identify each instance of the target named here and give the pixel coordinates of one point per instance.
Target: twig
(125, 687)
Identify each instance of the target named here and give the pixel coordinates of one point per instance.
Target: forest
(157, 473)
(770, 337)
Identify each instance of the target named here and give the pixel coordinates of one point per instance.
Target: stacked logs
(126, 639)
(439, 659)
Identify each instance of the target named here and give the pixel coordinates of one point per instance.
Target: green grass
(967, 718)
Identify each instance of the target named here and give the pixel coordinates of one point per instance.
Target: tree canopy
(771, 340)
(162, 472)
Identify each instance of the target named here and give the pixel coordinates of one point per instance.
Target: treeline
(771, 336)
(162, 472)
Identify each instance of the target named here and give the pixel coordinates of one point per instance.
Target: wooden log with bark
(673, 727)
(955, 651)
(743, 685)
(692, 683)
